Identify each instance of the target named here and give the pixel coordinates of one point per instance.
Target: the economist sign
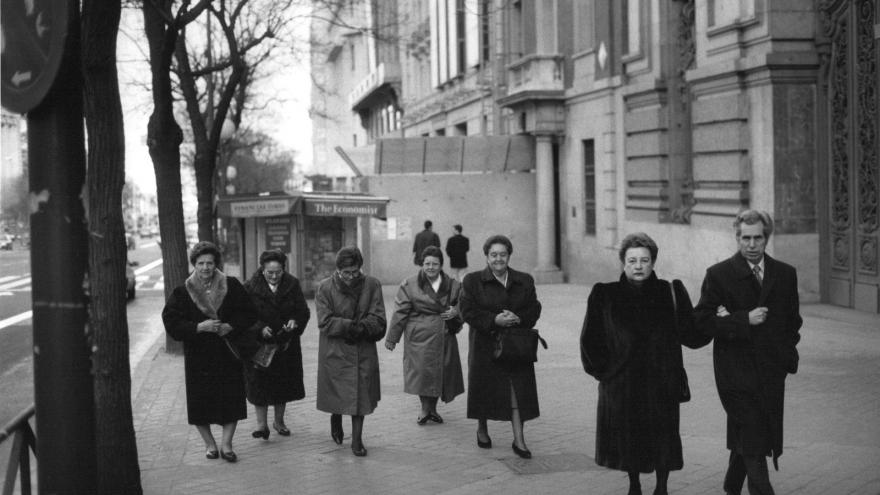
(344, 208)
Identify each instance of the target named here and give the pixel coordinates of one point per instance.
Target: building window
(460, 129)
(485, 44)
(352, 57)
(516, 41)
(455, 38)
(589, 187)
(584, 26)
(632, 25)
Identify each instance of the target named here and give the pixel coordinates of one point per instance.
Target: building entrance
(851, 153)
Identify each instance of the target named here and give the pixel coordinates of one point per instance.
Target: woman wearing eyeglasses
(283, 315)
(351, 319)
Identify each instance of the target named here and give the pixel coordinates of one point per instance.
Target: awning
(327, 204)
(258, 206)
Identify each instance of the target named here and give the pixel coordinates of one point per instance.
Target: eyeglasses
(350, 274)
(273, 274)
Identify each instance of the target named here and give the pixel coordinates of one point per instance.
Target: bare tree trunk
(163, 139)
(117, 458)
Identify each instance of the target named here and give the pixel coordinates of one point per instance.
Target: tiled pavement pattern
(832, 434)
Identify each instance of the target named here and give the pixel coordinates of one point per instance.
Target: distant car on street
(6, 241)
(130, 279)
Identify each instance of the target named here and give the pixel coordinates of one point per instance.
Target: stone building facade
(662, 116)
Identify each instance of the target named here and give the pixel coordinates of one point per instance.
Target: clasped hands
(214, 326)
(507, 318)
(756, 316)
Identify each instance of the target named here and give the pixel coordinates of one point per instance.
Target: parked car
(130, 279)
(6, 241)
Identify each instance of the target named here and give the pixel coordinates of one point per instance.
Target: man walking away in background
(457, 248)
(424, 239)
(749, 305)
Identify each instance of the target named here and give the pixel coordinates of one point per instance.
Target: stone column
(546, 270)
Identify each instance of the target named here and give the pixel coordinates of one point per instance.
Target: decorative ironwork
(866, 78)
(840, 252)
(839, 95)
(868, 255)
(687, 50)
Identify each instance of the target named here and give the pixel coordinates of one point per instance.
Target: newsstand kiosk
(309, 227)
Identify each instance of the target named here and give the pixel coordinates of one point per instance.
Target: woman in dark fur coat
(632, 345)
(283, 313)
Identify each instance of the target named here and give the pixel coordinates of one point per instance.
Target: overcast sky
(287, 119)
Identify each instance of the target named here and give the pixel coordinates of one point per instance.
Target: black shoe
(282, 430)
(359, 451)
(435, 417)
(264, 433)
(423, 420)
(212, 454)
(524, 453)
(229, 456)
(336, 432)
(484, 445)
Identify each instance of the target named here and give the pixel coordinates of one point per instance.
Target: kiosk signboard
(344, 208)
(278, 234)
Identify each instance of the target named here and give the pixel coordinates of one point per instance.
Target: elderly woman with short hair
(212, 315)
(494, 299)
(426, 315)
(351, 319)
(631, 343)
(283, 316)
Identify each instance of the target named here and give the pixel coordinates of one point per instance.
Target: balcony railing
(537, 74)
(385, 73)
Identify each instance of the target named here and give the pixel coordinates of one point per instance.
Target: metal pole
(59, 259)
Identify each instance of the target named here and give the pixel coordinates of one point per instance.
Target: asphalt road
(16, 363)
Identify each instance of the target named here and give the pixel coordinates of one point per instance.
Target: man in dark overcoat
(457, 248)
(749, 306)
(424, 239)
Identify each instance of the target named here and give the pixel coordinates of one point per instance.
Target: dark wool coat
(752, 362)
(214, 383)
(630, 343)
(348, 369)
(482, 298)
(457, 248)
(282, 381)
(431, 363)
(424, 239)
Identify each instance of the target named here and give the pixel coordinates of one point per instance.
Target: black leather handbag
(517, 345)
(683, 394)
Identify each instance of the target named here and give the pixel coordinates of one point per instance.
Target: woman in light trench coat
(426, 314)
(351, 319)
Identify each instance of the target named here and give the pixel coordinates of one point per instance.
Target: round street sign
(33, 33)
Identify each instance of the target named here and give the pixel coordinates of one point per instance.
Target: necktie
(757, 271)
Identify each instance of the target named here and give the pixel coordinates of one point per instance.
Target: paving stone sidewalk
(832, 435)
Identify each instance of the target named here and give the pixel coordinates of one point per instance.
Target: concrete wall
(483, 203)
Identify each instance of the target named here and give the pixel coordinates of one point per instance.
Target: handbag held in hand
(683, 394)
(263, 357)
(517, 345)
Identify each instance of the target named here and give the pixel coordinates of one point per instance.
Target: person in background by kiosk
(424, 239)
(457, 248)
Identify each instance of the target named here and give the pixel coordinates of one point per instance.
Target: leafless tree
(115, 446)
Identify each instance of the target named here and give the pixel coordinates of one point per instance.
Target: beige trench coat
(348, 370)
(431, 363)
